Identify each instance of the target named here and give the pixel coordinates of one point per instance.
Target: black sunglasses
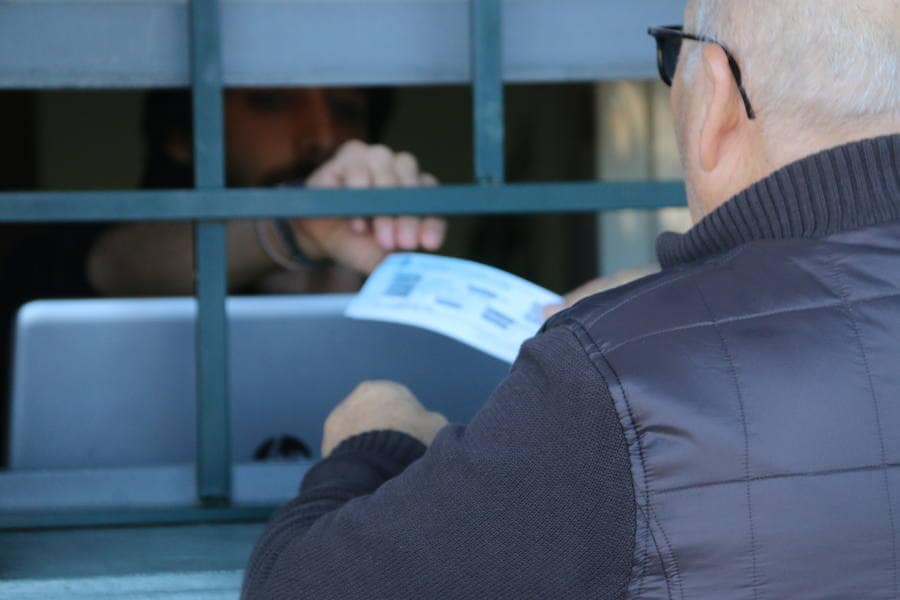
(668, 47)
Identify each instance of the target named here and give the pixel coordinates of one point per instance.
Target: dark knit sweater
(534, 498)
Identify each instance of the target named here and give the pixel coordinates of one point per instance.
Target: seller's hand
(595, 286)
(362, 243)
(378, 405)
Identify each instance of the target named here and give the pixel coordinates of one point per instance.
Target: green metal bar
(262, 203)
(54, 519)
(213, 439)
(487, 90)
(210, 256)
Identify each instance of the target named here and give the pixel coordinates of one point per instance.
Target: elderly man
(727, 428)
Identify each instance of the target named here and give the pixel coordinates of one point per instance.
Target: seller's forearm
(158, 259)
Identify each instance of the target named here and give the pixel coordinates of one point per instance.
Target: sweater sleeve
(533, 499)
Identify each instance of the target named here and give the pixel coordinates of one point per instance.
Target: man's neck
(792, 144)
(842, 188)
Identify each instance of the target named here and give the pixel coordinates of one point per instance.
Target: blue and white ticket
(481, 306)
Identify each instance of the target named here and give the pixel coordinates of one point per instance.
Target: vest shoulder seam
(593, 352)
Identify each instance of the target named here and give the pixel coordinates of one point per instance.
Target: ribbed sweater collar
(841, 189)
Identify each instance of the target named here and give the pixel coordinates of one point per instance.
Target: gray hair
(811, 62)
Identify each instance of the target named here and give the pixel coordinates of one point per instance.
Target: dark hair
(167, 115)
(382, 101)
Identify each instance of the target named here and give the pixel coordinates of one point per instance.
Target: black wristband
(286, 237)
(290, 256)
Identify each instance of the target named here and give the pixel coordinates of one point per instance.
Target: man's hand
(595, 286)
(378, 405)
(362, 243)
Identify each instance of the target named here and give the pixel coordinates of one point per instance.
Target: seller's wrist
(306, 243)
(283, 246)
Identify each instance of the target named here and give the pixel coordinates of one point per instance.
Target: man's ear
(723, 106)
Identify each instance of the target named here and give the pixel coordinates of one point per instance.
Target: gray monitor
(109, 383)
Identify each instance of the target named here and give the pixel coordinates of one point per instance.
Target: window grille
(31, 58)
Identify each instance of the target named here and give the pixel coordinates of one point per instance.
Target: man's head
(272, 135)
(818, 73)
(278, 135)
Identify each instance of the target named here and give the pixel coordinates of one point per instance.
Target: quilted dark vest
(759, 391)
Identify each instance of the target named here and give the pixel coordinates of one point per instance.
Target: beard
(293, 176)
